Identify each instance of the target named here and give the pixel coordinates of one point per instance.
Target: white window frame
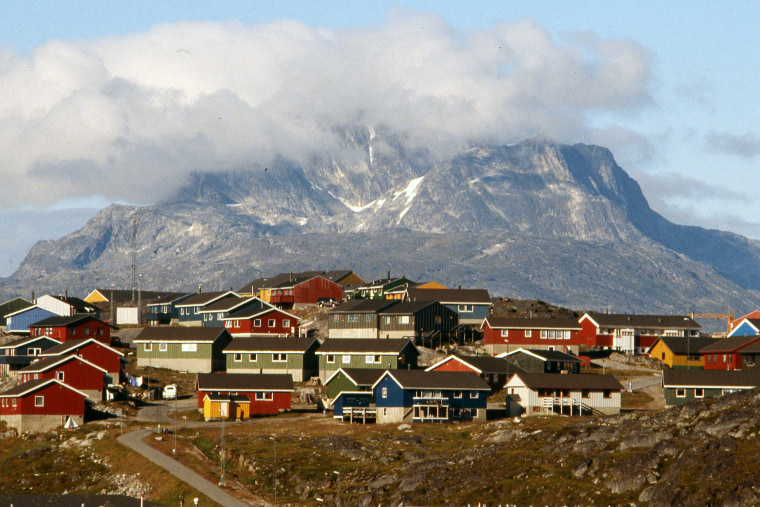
(189, 347)
(544, 334)
(237, 357)
(699, 392)
(39, 401)
(384, 392)
(279, 357)
(253, 357)
(457, 395)
(271, 323)
(403, 320)
(148, 347)
(59, 375)
(330, 358)
(474, 395)
(372, 359)
(264, 396)
(256, 322)
(465, 308)
(680, 392)
(504, 333)
(285, 323)
(346, 359)
(163, 347)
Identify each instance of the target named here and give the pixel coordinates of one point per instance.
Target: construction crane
(729, 316)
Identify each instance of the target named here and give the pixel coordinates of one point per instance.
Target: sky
(104, 102)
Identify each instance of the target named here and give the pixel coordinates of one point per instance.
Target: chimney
(200, 288)
(389, 274)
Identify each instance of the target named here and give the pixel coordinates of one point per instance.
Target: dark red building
(268, 393)
(93, 351)
(304, 291)
(493, 370)
(75, 327)
(41, 405)
(72, 370)
(502, 334)
(631, 333)
(261, 322)
(726, 354)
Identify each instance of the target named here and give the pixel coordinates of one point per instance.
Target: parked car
(170, 392)
(327, 302)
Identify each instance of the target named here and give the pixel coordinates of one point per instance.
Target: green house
(352, 380)
(187, 349)
(681, 386)
(295, 356)
(386, 354)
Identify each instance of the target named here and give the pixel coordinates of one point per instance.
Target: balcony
(281, 299)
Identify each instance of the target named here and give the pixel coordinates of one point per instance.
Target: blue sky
(670, 87)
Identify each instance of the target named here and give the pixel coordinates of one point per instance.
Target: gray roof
(548, 355)
(682, 346)
(711, 378)
(731, 344)
(407, 307)
(33, 385)
(66, 321)
(486, 364)
(450, 296)
(421, 379)
(72, 345)
(621, 320)
(576, 381)
(536, 323)
(363, 376)
(364, 346)
(205, 298)
(24, 341)
(49, 362)
(245, 382)
(269, 344)
(364, 306)
(180, 334)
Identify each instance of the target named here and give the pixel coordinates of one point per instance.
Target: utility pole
(134, 257)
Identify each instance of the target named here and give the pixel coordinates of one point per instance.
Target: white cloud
(129, 117)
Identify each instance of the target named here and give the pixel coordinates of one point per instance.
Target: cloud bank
(129, 118)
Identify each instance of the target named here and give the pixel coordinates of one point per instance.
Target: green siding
(294, 361)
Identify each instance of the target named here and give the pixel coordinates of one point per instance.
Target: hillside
(564, 224)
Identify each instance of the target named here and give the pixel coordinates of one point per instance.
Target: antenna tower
(134, 257)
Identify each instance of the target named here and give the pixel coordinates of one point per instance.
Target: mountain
(537, 219)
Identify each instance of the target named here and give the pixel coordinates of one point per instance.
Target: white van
(170, 392)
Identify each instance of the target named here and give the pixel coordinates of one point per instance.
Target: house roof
(70, 321)
(622, 320)
(75, 501)
(450, 296)
(711, 378)
(752, 322)
(482, 364)
(179, 334)
(79, 305)
(249, 313)
(682, 346)
(27, 340)
(364, 306)
(364, 346)
(574, 381)
(337, 275)
(407, 307)
(295, 281)
(359, 376)
(421, 379)
(265, 283)
(33, 386)
(26, 309)
(535, 323)
(269, 344)
(228, 304)
(72, 345)
(49, 363)
(730, 344)
(12, 306)
(545, 355)
(245, 382)
(237, 398)
(206, 298)
(121, 296)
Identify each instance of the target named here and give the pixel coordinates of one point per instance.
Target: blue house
(163, 308)
(191, 309)
(747, 327)
(472, 305)
(214, 314)
(19, 354)
(405, 396)
(19, 321)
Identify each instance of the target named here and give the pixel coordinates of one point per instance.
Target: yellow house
(225, 406)
(674, 350)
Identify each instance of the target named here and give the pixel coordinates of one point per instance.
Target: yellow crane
(729, 316)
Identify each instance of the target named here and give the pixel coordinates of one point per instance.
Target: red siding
(246, 326)
(101, 356)
(58, 400)
(280, 401)
(311, 290)
(516, 337)
(89, 329)
(76, 374)
(454, 365)
(587, 335)
(722, 361)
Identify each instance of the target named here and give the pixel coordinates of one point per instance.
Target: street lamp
(221, 456)
(274, 470)
(338, 474)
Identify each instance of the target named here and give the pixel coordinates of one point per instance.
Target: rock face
(560, 223)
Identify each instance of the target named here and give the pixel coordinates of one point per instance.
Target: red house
(726, 354)
(261, 322)
(491, 369)
(268, 394)
(41, 405)
(633, 334)
(305, 290)
(502, 333)
(75, 327)
(97, 353)
(72, 370)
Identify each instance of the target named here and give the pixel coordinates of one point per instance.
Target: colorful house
(19, 321)
(162, 308)
(470, 305)
(493, 370)
(217, 314)
(190, 349)
(20, 353)
(423, 321)
(66, 306)
(191, 309)
(542, 361)
(377, 289)
(361, 353)
(500, 334)
(292, 356)
(406, 396)
(683, 386)
(267, 394)
(725, 354)
(304, 291)
(356, 319)
(12, 306)
(75, 327)
(746, 326)
(681, 352)
(99, 354)
(550, 394)
(351, 380)
(42, 405)
(633, 334)
(261, 321)
(72, 370)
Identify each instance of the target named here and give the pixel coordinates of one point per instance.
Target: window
(607, 394)
(699, 392)
(86, 331)
(527, 333)
(237, 357)
(265, 396)
(543, 334)
(385, 392)
(59, 375)
(387, 320)
(227, 323)
(474, 395)
(353, 317)
(585, 393)
(403, 320)
(270, 323)
(15, 402)
(189, 347)
(680, 393)
(458, 395)
(465, 308)
(73, 331)
(39, 401)
(505, 332)
(237, 323)
(100, 332)
(346, 359)
(279, 358)
(181, 311)
(163, 347)
(368, 318)
(336, 318)
(34, 351)
(330, 358)
(148, 347)
(256, 322)
(252, 357)
(566, 335)
(372, 359)
(286, 323)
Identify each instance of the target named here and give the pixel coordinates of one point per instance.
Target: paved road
(134, 441)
